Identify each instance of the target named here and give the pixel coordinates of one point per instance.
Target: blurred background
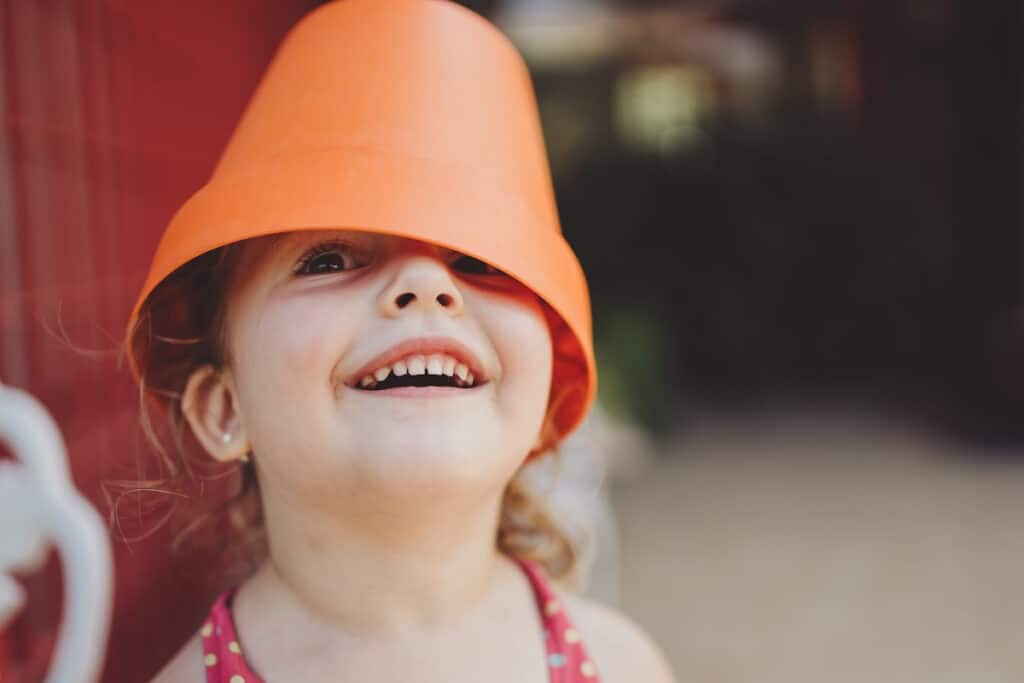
(801, 223)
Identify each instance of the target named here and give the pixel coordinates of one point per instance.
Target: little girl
(370, 308)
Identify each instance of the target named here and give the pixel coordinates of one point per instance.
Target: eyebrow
(311, 235)
(286, 240)
(282, 239)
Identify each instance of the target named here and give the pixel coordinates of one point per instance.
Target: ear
(211, 408)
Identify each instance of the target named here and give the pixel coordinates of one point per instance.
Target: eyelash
(347, 253)
(489, 270)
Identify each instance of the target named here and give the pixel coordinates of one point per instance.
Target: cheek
(521, 337)
(286, 348)
(284, 355)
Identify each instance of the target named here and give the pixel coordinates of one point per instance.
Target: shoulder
(186, 666)
(620, 649)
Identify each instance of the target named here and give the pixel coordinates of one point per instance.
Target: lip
(424, 346)
(422, 392)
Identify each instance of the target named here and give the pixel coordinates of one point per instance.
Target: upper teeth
(416, 364)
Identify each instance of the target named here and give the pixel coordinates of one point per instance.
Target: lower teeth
(456, 383)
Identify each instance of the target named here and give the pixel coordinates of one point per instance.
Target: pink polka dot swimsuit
(567, 659)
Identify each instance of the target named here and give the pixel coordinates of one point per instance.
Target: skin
(382, 507)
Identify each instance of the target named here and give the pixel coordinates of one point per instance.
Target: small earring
(226, 437)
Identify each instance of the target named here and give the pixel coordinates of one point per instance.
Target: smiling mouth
(421, 381)
(435, 370)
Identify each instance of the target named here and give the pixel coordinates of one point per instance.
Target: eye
(472, 266)
(330, 257)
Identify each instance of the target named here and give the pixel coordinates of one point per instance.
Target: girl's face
(371, 363)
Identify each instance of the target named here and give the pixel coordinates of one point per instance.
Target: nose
(421, 283)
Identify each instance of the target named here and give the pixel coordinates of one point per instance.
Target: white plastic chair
(39, 505)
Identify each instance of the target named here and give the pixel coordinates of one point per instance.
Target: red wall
(114, 112)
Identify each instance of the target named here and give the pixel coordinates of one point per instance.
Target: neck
(381, 566)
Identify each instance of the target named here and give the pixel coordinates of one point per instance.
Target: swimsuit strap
(222, 653)
(567, 658)
(568, 661)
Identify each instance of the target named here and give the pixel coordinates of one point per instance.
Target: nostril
(445, 300)
(403, 300)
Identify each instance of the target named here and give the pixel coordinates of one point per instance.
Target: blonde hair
(180, 327)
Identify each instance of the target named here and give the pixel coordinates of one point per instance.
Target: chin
(438, 459)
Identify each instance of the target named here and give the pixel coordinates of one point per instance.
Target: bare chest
(504, 653)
